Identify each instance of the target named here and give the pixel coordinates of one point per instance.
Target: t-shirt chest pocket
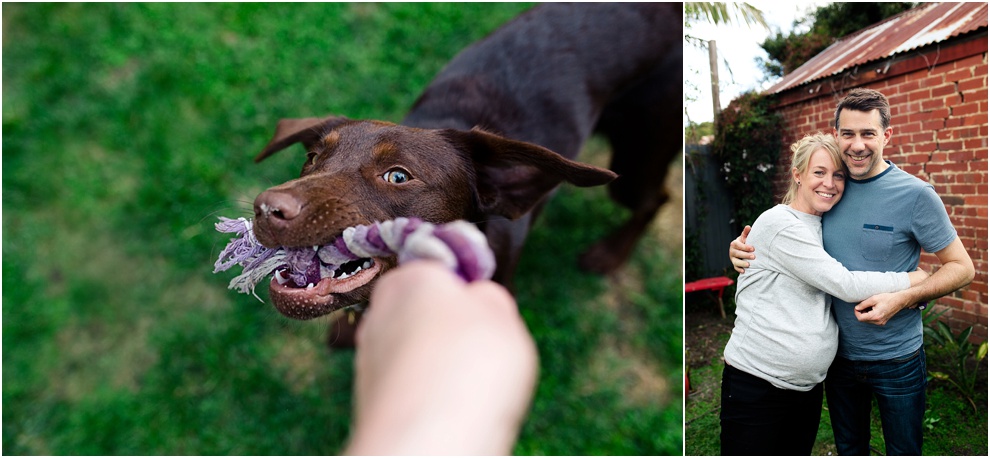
(876, 242)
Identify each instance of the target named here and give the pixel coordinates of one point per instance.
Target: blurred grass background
(127, 128)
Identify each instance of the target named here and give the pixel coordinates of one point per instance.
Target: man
(885, 217)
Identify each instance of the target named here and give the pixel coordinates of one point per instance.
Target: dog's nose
(276, 206)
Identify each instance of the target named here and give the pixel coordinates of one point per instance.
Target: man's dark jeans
(899, 387)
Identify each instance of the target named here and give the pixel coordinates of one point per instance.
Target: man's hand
(442, 366)
(880, 308)
(956, 272)
(740, 252)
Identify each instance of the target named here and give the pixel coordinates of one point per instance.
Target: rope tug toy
(459, 245)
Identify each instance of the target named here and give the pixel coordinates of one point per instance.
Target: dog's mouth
(315, 280)
(347, 285)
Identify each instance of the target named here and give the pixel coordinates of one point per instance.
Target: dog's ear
(512, 176)
(308, 131)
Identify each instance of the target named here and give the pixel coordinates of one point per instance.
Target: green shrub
(748, 145)
(963, 369)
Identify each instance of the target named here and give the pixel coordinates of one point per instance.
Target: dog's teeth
(310, 286)
(280, 278)
(343, 276)
(316, 248)
(366, 264)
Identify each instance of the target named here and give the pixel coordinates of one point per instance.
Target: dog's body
(490, 138)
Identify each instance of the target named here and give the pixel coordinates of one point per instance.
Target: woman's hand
(442, 366)
(918, 276)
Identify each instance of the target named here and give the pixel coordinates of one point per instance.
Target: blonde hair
(802, 151)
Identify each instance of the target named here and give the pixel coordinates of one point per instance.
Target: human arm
(739, 251)
(442, 367)
(956, 272)
(796, 251)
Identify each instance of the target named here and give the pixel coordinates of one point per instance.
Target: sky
(738, 46)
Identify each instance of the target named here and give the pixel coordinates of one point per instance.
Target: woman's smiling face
(820, 186)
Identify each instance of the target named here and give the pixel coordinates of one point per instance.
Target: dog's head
(359, 172)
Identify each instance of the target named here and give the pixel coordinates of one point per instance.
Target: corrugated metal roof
(918, 27)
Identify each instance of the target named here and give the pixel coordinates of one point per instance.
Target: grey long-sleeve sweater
(784, 331)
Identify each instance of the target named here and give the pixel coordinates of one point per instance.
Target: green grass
(128, 127)
(955, 429)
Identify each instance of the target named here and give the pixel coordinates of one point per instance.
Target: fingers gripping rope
(459, 245)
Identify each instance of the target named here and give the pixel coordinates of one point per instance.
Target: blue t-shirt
(881, 224)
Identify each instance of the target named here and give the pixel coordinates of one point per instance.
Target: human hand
(442, 366)
(880, 308)
(918, 276)
(739, 251)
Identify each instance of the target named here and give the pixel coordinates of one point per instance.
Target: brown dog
(489, 140)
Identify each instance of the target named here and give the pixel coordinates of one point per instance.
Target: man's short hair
(865, 100)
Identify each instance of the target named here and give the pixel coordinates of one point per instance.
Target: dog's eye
(397, 176)
(311, 157)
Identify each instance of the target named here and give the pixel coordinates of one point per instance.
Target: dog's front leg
(506, 238)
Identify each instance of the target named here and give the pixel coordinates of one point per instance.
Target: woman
(784, 336)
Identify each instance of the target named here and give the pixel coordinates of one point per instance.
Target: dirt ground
(705, 331)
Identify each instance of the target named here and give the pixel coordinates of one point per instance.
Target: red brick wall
(939, 117)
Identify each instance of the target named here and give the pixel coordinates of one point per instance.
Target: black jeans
(760, 419)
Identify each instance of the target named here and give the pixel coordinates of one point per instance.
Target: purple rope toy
(459, 245)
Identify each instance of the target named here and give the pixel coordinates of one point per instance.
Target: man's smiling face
(861, 138)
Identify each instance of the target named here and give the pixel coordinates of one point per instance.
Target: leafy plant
(724, 13)
(963, 372)
(929, 421)
(748, 144)
(826, 25)
(695, 132)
